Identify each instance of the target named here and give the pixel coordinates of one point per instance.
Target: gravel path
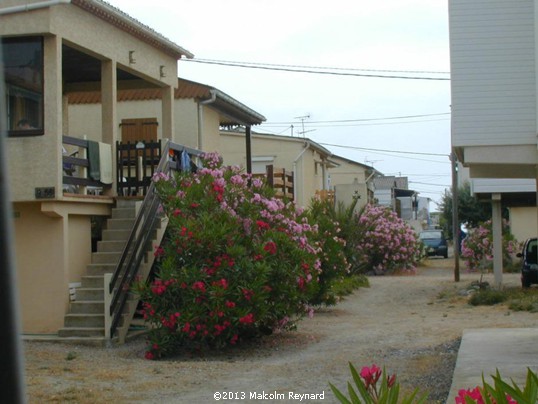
(409, 324)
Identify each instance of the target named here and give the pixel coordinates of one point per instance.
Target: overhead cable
(311, 70)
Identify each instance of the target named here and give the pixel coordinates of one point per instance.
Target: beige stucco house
(315, 169)
(210, 120)
(51, 50)
(199, 112)
(494, 87)
(350, 179)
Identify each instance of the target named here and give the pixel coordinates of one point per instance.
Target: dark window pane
(23, 70)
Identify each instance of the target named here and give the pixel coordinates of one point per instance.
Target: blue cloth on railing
(185, 164)
(94, 169)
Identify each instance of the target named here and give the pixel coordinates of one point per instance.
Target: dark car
(529, 262)
(435, 242)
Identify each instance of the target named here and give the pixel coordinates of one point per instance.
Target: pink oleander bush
(374, 386)
(500, 392)
(477, 247)
(236, 262)
(331, 244)
(379, 241)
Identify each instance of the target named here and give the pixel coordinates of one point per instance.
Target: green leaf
(410, 399)
(359, 383)
(339, 395)
(531, 386)
(352, 394)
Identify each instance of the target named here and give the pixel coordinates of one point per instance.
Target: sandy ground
(409, 324)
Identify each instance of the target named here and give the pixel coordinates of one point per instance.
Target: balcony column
(51, 143)
(109, 123)
(496, 225)
(168, 114)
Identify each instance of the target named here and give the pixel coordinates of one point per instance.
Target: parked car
(529, 262)
(435, 242)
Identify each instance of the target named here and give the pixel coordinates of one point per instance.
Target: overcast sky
(357, 117)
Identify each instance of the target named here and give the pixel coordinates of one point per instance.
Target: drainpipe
(32, 6)
(306, 147)
(201, 104)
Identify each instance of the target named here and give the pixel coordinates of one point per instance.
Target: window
(23, 72)
(260, 163)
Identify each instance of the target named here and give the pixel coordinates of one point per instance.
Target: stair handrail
(136, 246)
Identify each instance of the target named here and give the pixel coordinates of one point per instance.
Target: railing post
(108, 302)
(270, 174)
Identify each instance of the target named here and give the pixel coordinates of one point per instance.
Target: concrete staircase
(85, 321)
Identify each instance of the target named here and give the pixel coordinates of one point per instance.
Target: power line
(363, 119)
(387, 151)
(427, 183)
(361, 124)
(297, 70)
(316, 67)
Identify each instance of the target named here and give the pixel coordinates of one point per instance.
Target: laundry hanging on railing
(94, 161)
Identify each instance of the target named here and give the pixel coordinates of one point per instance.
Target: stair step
(81, 332)
(126, 203)
(106, 257)
(110, 245)
(116, 235)
(87, 307)
(96, 281)
(76, 320)
(123, 213)
(120, 224)
(90, 294)
(100, 269)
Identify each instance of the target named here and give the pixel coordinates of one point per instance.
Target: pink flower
(391, 380)
(247, 293)
(370, 375)
(229, 304)
(159, 251)
(474, 394)
(262, 225)
(199, 285)
(149, 355)
(248, 319)
(270, 247)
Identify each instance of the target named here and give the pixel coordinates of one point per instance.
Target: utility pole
(455, 217)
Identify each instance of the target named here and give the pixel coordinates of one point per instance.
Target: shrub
(346, 285)
(501, 392)
(487, 297)
(236, 262)
(334, 265)
(477, 247)
(369, 391)
(381, 242)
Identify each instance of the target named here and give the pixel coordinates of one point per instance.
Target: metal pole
(249, 149)
(11, 369)
(455, 217)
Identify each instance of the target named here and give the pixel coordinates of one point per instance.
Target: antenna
(371, 162)
(302, 118)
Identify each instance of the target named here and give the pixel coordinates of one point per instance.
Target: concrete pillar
(168, 114)
(109, 124)
(53, 110)
(496, 219)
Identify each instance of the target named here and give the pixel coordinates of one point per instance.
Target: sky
(399, 126)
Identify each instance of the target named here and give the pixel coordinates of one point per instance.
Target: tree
(471, 211)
